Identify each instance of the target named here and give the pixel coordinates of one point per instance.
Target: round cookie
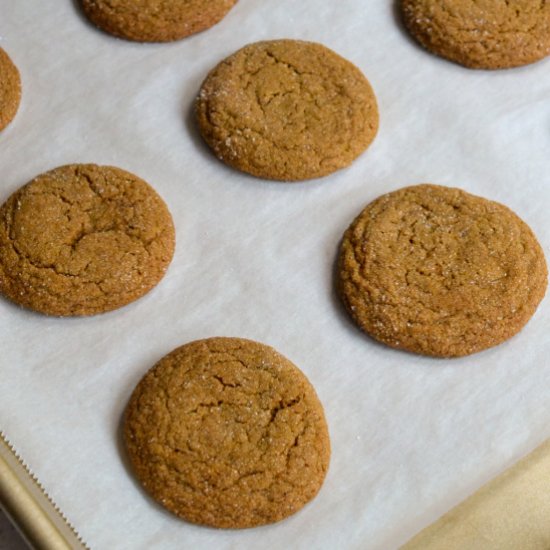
(10, 89)
(228, 433)
(287, 110)
(155, 20)
(83, 239)
(437, 271)
(486, 34)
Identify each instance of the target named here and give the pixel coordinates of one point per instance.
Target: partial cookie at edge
(10, 89)
(149, 21)
(481, 35)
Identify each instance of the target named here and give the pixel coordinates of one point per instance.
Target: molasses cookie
(228, 433)
(10, 89)
(490, 34)
(154, 20)
(437, 271)
(83, 239)
(287, 110)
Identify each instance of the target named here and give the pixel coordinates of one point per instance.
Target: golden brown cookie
(287, 110)
(228, 433)
(483, 34)
(83, 239)
(10, 89)
(437, 271)
(155, 20)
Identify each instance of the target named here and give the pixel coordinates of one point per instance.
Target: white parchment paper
(411, 436)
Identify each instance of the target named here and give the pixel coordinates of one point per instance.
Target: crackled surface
(287, 110)
(155, 20)
(83, 239)
(438, 271)
(10, 89)
(228, 433)
(481, 34)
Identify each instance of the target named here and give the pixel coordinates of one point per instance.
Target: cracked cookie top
(481, 34)
(155, 20)
(83, 239)
(228, 433)
(287, 110)
(437, 271)
(10, 89)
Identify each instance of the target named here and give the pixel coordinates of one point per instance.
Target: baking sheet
(509, 512)
(411, 436)
(24, 500)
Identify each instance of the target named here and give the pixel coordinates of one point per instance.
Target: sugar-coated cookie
(485, 34)
(287, 110)
(10, 89)
(83, 239)
(437, 271)
(155, 20)
(228, 433)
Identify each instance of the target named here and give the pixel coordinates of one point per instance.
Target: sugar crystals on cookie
(228, 433)
(10, 89)
(83, 239)
(481, 35)
(153, 21)
(287, 110)
(438, 271)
